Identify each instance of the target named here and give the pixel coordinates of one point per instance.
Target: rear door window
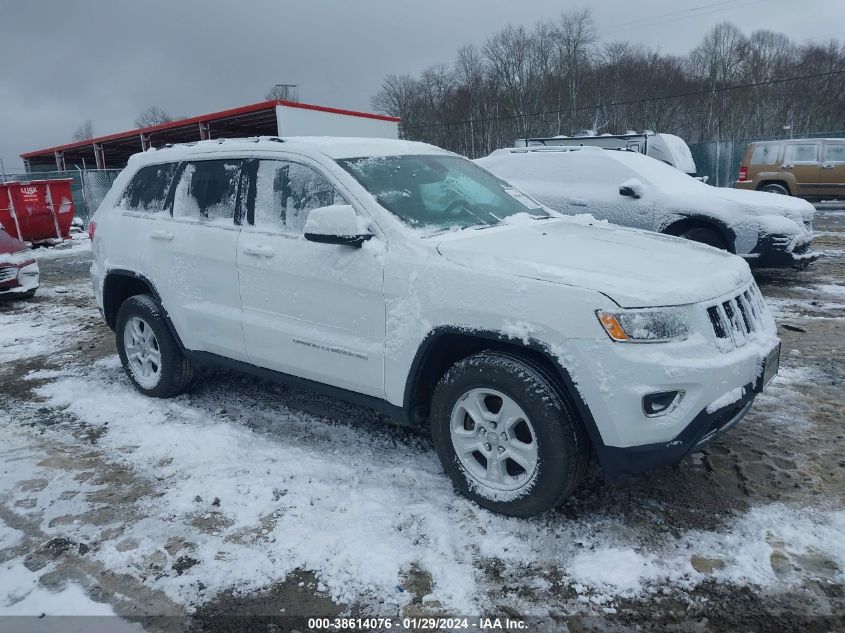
(147, 191)
(765, 154)
(834, 153)
(286, 192)
(210, 191)
(802, 153)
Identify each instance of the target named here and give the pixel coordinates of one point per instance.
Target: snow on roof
(333, 147)
(582, 164)
(353, 147)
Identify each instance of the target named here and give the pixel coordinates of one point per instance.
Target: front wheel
(149, 353)
(705, 235)
(775, 188)
(505, 436)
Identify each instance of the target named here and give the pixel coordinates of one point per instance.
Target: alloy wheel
(494, 440)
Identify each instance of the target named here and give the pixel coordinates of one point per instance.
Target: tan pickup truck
(810, 168)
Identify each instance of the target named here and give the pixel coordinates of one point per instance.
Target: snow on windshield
(440, 192)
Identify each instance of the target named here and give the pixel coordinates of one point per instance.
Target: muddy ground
(790, 450)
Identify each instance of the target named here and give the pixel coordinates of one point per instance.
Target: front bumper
(719, 369)
(704, 428)
(17, 281)
(782, 251)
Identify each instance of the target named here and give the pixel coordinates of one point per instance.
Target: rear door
(832, 175)
(141, 204)
(191, 255)
(801, 159)
(310, 310)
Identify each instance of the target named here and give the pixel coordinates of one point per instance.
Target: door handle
(259, 251)
(827, 166)
(164, 236)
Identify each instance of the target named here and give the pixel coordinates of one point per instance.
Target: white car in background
(407, 279)
(630, 189)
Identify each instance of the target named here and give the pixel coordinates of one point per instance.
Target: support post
(205, 133)
(99, 156)
(60, 161)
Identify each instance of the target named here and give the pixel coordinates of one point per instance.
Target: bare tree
(509, 56)
(152, 115)
(554, 79)
(575, 34)
(283, 92)
(84, 132)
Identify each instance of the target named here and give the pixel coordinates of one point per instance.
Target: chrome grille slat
(738, 319)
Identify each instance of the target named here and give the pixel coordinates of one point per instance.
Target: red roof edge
(254, 107)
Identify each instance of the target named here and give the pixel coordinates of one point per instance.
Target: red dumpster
(38, 210)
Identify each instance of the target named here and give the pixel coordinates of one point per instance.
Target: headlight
(645, 326)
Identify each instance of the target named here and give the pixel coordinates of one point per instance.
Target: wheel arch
(119, 285)
(775, 181)
(444, 346)
(682, 225)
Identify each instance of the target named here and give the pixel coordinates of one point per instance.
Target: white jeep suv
(406, 278)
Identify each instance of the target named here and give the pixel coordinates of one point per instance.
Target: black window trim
(239, 203)
(168, 188)
(252, 170)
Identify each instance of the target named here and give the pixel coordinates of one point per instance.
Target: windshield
(439, 192)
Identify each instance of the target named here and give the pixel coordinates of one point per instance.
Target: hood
(9, 244)
(763, 203)
(634, 268)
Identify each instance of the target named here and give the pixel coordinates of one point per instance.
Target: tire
(29, 294)
(775, 188)
(705, 235)
(542, 424)
(141, 332)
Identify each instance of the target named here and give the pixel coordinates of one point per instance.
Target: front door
(832, 175)
(801, 159)
(310, 310)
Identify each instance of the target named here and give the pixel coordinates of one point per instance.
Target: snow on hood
(634, 268)
(762, 203)
(10, 244)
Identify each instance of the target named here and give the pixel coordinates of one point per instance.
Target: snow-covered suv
(405, 278)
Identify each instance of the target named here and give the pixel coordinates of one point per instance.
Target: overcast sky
(106, 60)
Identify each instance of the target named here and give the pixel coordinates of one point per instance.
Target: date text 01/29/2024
(417, 624)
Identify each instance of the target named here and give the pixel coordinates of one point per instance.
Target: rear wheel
(505, 436)
(705, 235)
(149, 353)
(775, 188)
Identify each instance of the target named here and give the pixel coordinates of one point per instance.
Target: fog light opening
(661, 402)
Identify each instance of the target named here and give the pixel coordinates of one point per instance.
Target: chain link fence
(719, 160)
(89, 186)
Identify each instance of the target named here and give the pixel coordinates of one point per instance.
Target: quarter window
(765, 154)
(802, 153)
(147, 190)
(286, 192)
(209, 190)
(834, 153)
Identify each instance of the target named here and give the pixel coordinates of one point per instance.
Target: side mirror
(336, 224)
(632, 188)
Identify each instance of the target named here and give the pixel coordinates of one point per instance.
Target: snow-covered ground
(240, 485)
